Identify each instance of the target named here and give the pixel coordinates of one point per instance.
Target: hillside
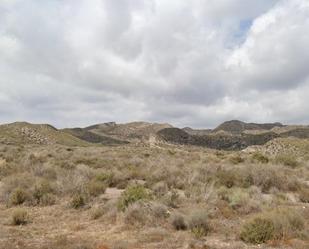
(219, 140)
(41, 134)
(92, 137)
(129, 131)
(238, 127)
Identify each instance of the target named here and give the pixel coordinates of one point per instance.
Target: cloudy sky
(187, 62)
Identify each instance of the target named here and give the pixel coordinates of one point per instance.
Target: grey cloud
(188, 63)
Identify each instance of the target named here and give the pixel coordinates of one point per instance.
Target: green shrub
(18, 197)
(260, 158)
(20, 217)
(282, 223)
(258, 230)
(78, 201)
(178, 222)
(199, 224)
(132, 194)
(107, 178)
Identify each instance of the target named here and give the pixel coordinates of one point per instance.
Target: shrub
(238, 198)
(171, 199)
(287, 160)
(160, 211)
(199, 224)
(136, 214)
(20, 217)
(78, 201)
(236, 159)
(132, 194)
(107, 178)
(258, 230)
(42, 193)
(227, 178)
(97, 213)
(96, 188)
(260, 158)
(304, 194)
(178, 222)
(18, 197)
(288, 223)
(278, 224)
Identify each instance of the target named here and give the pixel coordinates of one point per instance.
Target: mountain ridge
(230, 135)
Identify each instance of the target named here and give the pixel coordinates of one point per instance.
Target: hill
(42, 134)
(238, 127)
(219, 140)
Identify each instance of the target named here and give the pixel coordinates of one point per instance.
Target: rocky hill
(238, 127)
(219, 140)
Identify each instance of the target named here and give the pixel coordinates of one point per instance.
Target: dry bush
(236, 159)
(304, 194)
(145, 213)
(227, 178)
(241, 200)
(258, 157)
(43, 193)
(136, 214)
(171, 199)
(159, 211)
(22, 181)
(199, 223)
(160, 188)
(20, 217)
(95, 188)
(178, 221)
(288, 222)
(271, 176)
(287, 160)
(78, 200)
(18, 197)
(97, 213)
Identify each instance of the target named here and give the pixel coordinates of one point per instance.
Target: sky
(190, 63)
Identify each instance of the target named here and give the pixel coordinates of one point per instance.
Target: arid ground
(156, 195)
